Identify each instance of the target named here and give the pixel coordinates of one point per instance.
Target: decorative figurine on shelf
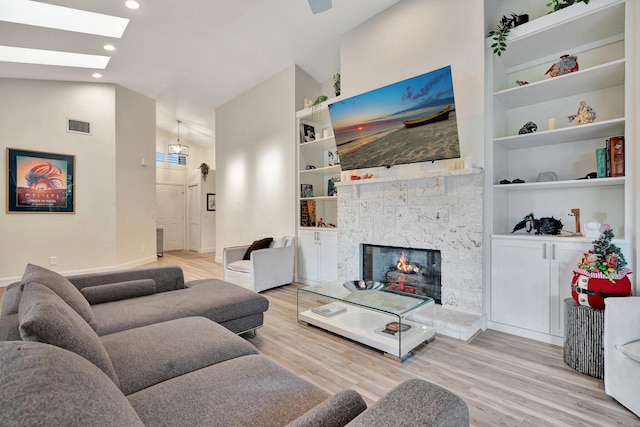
(565, 65)
(584, 115)
(528, 127)
(521, 82)
(601, 273)
(542, 226)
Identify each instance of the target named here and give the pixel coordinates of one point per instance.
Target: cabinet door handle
(553, 251)
(544, 251)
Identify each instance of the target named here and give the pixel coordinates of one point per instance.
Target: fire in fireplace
(410, 270)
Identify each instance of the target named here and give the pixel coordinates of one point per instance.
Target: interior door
(170, 207)
(193, 213)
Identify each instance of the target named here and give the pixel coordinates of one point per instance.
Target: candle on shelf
(551, 124)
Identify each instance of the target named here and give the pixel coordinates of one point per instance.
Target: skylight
(50, 57)
(62, 18)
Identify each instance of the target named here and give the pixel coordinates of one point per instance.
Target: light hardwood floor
(505, 380)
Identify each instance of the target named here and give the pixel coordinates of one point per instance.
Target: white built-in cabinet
(530, 280)
(317, 256)
(530, 275)
(317, 164)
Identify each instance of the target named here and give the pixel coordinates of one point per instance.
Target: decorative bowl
(361, 285)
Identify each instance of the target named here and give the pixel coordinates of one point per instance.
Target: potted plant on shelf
(336, 83)
(601, 273)
(561, 4)
(500, 34)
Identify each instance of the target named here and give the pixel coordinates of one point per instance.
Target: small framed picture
(307, 133)
(40, 182)
(211, 201)
(306, 190)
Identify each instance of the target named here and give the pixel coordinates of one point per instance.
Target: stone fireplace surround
(434, 210)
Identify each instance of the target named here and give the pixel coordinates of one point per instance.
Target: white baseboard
(525, 333)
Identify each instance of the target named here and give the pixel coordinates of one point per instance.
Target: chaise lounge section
(121, 300)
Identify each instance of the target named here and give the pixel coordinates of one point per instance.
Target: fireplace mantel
(423, 175)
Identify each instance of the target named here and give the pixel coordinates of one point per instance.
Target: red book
(616, 145)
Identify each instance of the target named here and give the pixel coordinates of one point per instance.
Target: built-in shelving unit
(317, 165)
(597, 33)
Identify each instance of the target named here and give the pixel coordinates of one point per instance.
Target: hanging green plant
(561, 4)
(500, 34)
(336, 83)
(204, 168)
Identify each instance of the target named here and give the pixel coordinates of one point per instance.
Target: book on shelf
(395, 329)
(329, 310)
(616, 149)
(307, 213)
(601, 162)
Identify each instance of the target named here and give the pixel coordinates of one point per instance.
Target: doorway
(170, 208)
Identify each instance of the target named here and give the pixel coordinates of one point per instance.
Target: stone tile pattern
(437, 212)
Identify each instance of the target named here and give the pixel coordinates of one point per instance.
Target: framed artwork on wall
(39, 182)
(211, 201)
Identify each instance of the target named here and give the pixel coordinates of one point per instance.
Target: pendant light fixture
(177, 147)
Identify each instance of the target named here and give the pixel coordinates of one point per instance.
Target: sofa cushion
(429, 405)
(11, 299)
(631, 350)
(151, 354)
(336, 411)
(61, 286)
(242, 266)
(246, 391)
(45, 317)
(117, 291)
(43, 385)
(258, 244)
(214, 299)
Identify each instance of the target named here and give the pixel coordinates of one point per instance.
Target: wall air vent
(77, 126)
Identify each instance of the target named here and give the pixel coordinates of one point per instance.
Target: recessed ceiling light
(96, 75)
(52, 57)
(109, 47)
(131, 4)
(62, 18)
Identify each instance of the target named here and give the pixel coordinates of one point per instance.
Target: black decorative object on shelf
(546, 225)
(528, 127)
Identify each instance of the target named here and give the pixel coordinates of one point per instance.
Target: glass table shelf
(393, 322)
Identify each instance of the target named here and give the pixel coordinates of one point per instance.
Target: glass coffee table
(390, 321)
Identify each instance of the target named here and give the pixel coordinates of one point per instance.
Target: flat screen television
(410, 121)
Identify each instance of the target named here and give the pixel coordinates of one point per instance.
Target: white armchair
(622, 351)
(266, 268)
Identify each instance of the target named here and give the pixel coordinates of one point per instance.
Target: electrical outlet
(53, 260)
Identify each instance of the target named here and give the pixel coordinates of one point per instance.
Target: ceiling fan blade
(318, 6)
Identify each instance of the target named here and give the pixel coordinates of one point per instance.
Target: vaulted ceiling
(191, 56)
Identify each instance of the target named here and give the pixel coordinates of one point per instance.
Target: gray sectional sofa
(126, 299)
(180, 371)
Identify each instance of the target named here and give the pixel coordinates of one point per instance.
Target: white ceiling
(192, 56)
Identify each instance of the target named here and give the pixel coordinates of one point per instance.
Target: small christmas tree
(604, 257)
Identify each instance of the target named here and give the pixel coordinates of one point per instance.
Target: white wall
(33, 116)
(414, 37)
(135, 210)
(255, 158)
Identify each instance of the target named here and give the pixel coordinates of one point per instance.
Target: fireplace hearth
(409, 270)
